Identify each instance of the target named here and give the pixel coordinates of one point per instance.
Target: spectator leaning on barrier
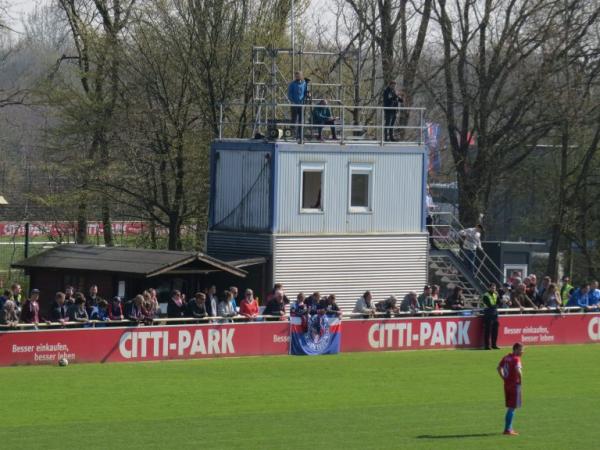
(426, 300)
(225, 307)
(150, 306)
(100, 311)
(176, 307)
(551, 298)
(78, 312)
(594, 299)
(435, 295)
(332, 309)
(299, 307)
(134, 311)
(9, 315)
(249, 306)
(565, 290)
(197, 307)
(410, 303)
(30, 309)
(531, 289)
(490, 317)
(582, 297)
(504, 296)
(456, 300)
(364, 305)
(388, 306)
(276, 307)
(520, 299)
(539, 300)
(59, 311)
(312, 302)
(115, 310)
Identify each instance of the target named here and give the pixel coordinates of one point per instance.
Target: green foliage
(412, 400)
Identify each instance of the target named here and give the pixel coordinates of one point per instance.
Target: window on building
(361, 179)
(312, 187)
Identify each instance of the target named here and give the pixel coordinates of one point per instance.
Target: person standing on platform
(490, 317)
(391, 100)
(509, 370)
(297, 91)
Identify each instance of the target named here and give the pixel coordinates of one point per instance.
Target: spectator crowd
(76, 307)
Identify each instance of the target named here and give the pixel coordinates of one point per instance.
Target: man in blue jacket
(581, 297)
(297, 90)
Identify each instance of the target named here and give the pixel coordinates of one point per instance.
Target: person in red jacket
(249, 305)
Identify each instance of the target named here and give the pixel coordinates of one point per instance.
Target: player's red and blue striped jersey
(510, 365)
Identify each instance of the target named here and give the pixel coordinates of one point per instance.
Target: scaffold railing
(352, 123)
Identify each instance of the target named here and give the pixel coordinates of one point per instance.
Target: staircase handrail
(484, 272)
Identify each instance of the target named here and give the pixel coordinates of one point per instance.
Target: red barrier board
(550, 329)
(272, 338)
(411, 334)
(143, 343)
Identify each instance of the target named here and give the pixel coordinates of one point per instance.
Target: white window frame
(360, 169)
(312, 167)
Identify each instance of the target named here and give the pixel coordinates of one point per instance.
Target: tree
(390, 24)
(97, 28)
(496, 65)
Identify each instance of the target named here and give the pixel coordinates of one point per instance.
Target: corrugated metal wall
(349, 265)
(397, 192)
(233, 245)
(242, 189)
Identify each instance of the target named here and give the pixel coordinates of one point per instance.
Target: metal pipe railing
(281, 110)
(267, 318)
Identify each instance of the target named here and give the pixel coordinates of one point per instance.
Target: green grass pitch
(411, 400)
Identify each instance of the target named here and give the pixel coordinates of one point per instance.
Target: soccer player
(509, 370)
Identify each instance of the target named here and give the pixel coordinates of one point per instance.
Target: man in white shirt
(471, 243)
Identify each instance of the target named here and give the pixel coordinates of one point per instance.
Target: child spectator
(78, 312)
(115, 310)
(100, 311)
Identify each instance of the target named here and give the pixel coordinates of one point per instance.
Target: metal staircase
(447, 261)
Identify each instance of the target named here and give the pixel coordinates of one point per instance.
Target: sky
(18, 9)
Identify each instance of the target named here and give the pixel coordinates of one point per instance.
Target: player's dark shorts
(512, 395)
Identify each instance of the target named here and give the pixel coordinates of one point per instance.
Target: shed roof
(136, 261)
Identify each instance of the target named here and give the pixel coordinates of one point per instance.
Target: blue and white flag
(315, 335)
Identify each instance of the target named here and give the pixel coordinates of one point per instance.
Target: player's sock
(508, 419)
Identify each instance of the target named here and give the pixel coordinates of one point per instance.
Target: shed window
(312, 187)
(361, 181)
